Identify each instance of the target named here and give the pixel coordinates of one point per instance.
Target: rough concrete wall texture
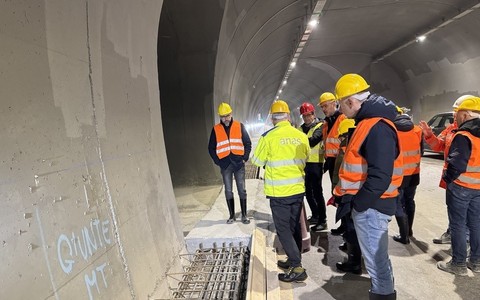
(87, 200)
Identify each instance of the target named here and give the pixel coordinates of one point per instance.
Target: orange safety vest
(448, 135)
(226, 145)
(353, 170)
(471, 177)
(331, 140)
(410, 143)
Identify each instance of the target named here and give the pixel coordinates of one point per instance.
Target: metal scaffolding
(213, 273)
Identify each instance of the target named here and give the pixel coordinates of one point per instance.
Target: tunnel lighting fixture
(431, 29)
(421, 38)
(313, 23)
(308, 26)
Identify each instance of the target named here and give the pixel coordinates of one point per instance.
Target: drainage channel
(213, 273)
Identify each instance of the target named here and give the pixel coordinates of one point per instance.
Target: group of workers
(371, 150)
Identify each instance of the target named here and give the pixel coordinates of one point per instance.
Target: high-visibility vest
(447, 135)
(331, 140)
(283, 151)
(471, 177)
(410, 143)
(353, 170)
(317, 152)
(226, 145)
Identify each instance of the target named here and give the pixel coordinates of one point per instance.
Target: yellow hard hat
(460, 100)
(344, 125)
(279, 106)
(350, 84)
(224, 109)
(471, 103)
(326, 97)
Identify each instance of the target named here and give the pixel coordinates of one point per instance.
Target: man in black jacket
(230, 147)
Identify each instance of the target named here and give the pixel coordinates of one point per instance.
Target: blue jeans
(227, 175)
(372, 232)
(463, 206)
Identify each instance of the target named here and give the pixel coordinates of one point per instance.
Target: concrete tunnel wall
(88, 210)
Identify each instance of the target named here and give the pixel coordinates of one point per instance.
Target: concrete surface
(414, 265)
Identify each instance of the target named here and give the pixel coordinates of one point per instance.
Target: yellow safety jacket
(283, 151)
(317, 152)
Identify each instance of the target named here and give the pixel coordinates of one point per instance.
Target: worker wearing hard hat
(312, 127)
(462, 178)
(283, 151)
(370, 175)
(411, 142)
(230, 147)
(328, 103)
(442, 143)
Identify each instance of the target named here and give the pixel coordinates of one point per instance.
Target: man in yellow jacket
(283, 151)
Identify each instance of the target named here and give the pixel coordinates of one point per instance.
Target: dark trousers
(330, 166)
(286, 216)
(314, 191)
(406, 201)
(350, 235)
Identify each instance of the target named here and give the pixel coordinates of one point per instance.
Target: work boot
(319, 227)
(451, 267)
(474, 266)
(354, 260)
(373, 296)
(403, 228)
(231, 210)
(283, 264)
(312, 220)
(296, 274)
(339, 230)
(445, 238)
(243, 206)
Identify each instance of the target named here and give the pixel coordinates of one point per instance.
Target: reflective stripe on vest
(283, 151)
(471, 177)
(353, 170)
(331, 140)
(410, 143)
(225, 146)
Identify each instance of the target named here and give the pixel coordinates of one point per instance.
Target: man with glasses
(370, 175)
(230, 147)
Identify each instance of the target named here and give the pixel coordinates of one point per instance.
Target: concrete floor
(415, 271)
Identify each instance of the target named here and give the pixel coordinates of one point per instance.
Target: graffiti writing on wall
(72, 248)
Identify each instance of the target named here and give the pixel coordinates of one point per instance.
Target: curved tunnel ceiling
(258, 39)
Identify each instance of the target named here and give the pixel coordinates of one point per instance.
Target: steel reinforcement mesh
(213, 273)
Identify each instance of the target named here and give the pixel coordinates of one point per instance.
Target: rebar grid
(214, 273)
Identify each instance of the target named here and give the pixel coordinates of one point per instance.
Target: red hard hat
(307, 108)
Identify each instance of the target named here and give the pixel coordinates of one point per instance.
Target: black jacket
(236, 160)
(460, 151)
(379, 149)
